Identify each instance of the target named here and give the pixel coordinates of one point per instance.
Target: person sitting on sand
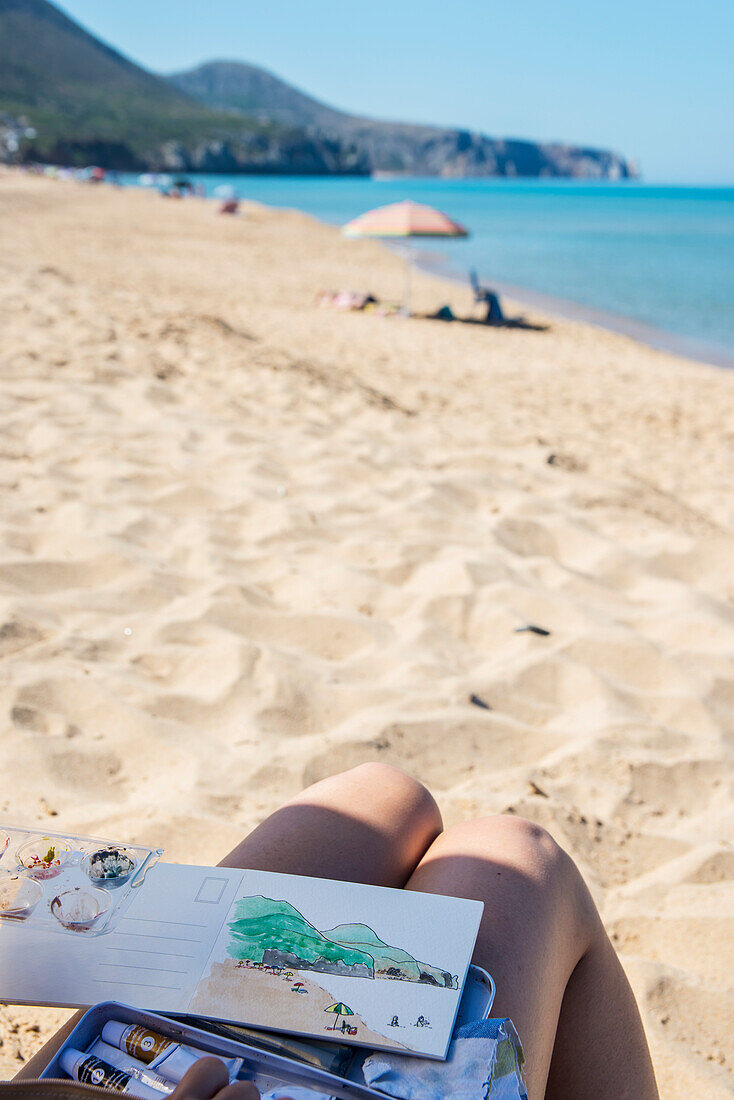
(541, 938)
(487, 297)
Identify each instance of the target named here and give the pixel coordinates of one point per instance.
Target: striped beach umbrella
(339, 1009)
(404, 219)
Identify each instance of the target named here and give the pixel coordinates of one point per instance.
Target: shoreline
(684, 347)
(692, 348)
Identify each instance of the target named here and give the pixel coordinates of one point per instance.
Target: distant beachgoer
(487, 297)
(346, 299)
(445, 313)
(494, 316)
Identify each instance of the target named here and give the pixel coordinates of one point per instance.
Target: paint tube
(87, 1069)
(166, 1056)
(132, 1066)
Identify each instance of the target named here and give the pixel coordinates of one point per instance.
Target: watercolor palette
(65, 883)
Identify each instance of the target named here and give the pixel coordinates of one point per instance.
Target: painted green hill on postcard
(266, 932)
(390, 962)
(275, 933)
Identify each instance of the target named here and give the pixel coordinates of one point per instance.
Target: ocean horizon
(653, 260)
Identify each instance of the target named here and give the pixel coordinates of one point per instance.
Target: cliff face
(289, 153)
(296, 155)
(284, 152)
(460, 153)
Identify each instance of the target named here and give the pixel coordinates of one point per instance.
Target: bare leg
(371, 824)
(558, 977)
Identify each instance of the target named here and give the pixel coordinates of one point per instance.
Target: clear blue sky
(652, 79)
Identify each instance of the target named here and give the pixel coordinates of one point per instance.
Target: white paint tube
(132, 1066)
(87, 1069)
(165, 1056)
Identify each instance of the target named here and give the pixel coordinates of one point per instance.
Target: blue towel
(484, 1062)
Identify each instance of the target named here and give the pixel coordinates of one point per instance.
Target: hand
(209, 1080)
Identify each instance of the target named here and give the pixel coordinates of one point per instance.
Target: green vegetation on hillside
(75, 90)
(262, 925)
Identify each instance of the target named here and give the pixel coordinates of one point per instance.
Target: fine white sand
(246, 542)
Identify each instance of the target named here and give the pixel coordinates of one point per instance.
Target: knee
(519, 843)
(528, 854)
(399, 789)
(529, 845)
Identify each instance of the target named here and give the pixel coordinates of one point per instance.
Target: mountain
(273, 933)
(235, 85)
(88, 103)
(391, 146)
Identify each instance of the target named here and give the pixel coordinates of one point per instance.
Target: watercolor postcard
(382, 968)
(330, 960)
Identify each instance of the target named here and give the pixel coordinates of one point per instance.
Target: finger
(240, 1090)
(203, 1081)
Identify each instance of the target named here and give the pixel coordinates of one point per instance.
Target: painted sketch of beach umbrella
(404, 219)
(339, 1009)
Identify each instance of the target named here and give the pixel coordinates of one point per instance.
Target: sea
(651, 260)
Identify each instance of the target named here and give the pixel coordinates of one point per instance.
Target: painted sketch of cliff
(274, 934)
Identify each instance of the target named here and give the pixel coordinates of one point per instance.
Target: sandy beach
(275, 993)
(247, 542)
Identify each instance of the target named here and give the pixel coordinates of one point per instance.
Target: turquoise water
(660, 256)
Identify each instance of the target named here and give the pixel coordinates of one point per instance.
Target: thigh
(533, 929)
(558, 977)
(370, 824)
